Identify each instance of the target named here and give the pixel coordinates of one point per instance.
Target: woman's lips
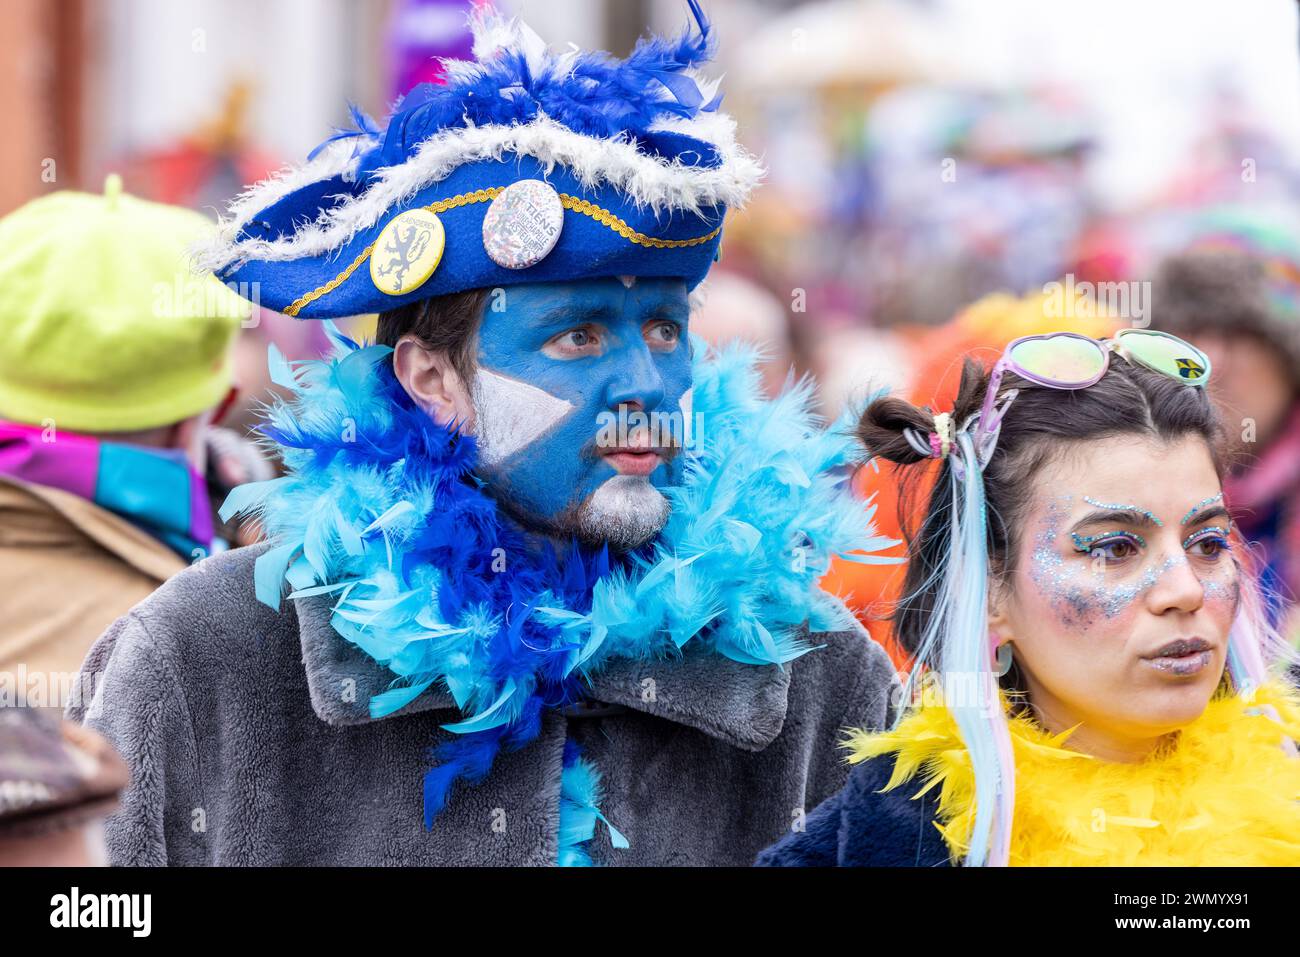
(633, 461)
(1182, 657)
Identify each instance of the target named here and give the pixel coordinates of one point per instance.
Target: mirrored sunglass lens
(1063, 359)
(1173, 357)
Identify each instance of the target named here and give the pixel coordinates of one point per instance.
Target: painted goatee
(625, 511)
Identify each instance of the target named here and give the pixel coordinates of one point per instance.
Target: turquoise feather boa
(380, 509)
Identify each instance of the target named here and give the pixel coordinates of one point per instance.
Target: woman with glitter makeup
(1092, 678)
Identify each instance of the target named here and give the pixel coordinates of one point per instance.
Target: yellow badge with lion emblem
(407, 252)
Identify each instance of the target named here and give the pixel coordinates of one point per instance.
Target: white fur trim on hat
(646, 180)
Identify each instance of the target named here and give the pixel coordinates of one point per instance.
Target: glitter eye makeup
(1083, 596)
(1086, 543)
(1079, 601)
(1211, 533)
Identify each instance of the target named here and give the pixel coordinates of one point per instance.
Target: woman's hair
(971, 532)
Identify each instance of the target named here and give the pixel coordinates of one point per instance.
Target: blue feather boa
(381, 510)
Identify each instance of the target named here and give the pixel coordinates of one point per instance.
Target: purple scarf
(155, 489)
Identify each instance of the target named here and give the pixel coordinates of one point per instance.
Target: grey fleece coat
(250, 743)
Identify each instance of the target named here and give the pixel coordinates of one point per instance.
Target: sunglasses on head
(1068, 360)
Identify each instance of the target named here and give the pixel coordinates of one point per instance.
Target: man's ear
(431, 380)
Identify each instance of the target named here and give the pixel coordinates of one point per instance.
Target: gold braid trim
(602, 216)
(441, 206)
(606, 218)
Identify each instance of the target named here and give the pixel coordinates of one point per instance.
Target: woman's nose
(1177, 587)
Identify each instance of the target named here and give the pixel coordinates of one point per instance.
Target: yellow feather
(1225, 793)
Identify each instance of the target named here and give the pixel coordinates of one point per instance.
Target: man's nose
(637, 381)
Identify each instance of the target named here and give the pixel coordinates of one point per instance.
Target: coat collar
(742, 705)
(40, 513)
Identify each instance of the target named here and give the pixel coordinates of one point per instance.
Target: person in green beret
(114, 355)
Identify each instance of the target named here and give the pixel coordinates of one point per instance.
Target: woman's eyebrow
(1133, 516)
(1137, 514)
(1192, 512)
(1208, 514)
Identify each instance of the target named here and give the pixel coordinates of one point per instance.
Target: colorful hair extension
(955, 644)
(1255, 646)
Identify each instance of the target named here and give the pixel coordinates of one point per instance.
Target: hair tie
(933, 445)
(941, 437)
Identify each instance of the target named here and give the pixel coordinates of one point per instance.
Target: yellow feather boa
(1225, 793)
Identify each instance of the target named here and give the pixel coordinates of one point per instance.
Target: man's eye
(580, 343)
(665, 333)
(574, 341)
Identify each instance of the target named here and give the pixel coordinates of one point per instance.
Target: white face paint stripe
(509, 414)
(688, 438)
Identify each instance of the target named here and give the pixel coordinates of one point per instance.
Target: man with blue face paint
(559, 366)
(540, 578)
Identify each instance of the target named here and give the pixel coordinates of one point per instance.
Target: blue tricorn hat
(525, 166)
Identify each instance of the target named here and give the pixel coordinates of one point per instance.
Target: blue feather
(580, 798)
(365, 128)
(592, 93)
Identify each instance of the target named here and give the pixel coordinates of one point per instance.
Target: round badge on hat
(407, 252)
(523, 224)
